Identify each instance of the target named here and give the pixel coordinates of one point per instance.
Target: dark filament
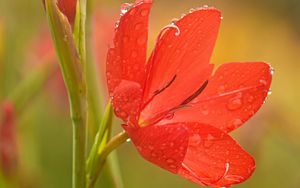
(166, 86)
(196, 94)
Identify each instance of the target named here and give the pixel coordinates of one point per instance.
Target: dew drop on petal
(141, 40)
(153, 154)
(250, 99)
(173, 166)
(264, 82)
(221, 89)
(144, 12)
(170, 161)
(270, 92)
(138, 26)
(204, 110)
(234, 103)
(227, 152)
(209, 141)
(174, 20)
(134, 54)
(272, 70)
(192, 10)
(195, 140)
(117, 24)
(125, 7)
(235, 123)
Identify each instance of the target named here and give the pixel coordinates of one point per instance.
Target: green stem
(79, 140)
(73, 73)
(111, 145)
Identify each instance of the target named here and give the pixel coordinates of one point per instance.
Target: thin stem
(79, 140)
(73, 73)
(111, 145)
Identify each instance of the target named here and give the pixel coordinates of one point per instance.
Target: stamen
(196, 94)
(166, 86)
(159, 91)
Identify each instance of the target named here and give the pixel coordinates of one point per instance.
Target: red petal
(164, 146)
(126, 100)
(198, 152)
(185, 53)
(126, 60)
(232, 96)
(213, 158)
(68, 8)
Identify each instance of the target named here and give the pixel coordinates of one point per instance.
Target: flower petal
(232, 96)
(164, 146)
(182, 54)
(213, 158)
(198, 152)
(127, 58)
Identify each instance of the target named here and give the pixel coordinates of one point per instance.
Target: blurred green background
(251, 30)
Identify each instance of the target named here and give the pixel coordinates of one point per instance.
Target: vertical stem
(80, 125)
(72, 59)
(79, 147)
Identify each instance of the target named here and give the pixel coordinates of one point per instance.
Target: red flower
(176, 112)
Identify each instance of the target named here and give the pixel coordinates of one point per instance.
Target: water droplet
(125, 7)
(221, 89)
(272, 70)
(134, 54)
(150, 147)
(270, 92)
(195, 139)
(153, 154)
(209, 141)
(138, 26)
(192, 10)
(117, 24)
(172, 166)
(235, 123)
(205, 6)
(250, 99)
(170, 161)
(204, 110)
(174, 20)
(129, 140)
(141, 40)
(264, 82)
(234, 103)
(221, 17)
(144, 12)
